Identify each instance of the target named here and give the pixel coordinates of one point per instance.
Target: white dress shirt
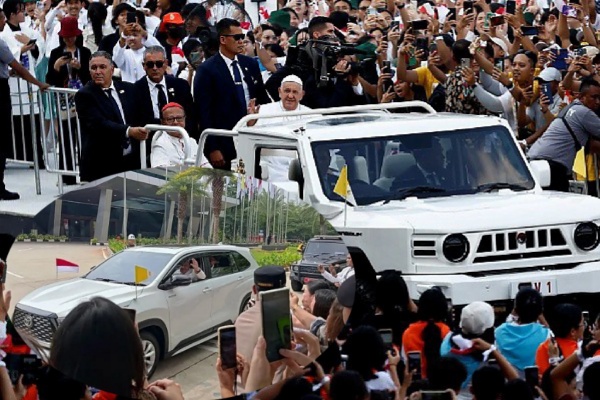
(169, 150)
(228, 62)
(130, 61)
(154, 94)
(115, 96)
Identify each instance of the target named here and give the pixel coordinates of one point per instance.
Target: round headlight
(456, 248)
(586, 236)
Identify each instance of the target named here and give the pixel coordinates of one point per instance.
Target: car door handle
(206, 290)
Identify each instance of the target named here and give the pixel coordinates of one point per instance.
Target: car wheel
(296, 285)
(151, 352)
(246, 304)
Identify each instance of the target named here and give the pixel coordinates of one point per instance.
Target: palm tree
(186, 184)
(216, 179)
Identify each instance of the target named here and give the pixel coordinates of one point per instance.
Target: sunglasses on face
(238, 36)
(151, 64)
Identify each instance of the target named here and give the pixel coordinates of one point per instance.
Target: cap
(550, 74)
(501, 43)
(346, 291)
(269, 277)
(171, 105)
(591, 51)
(131, 236)
(173, 18)
(476, 318)
(292, 78)
(281, 18)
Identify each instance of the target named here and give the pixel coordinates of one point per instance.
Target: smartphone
(394, 24)
(496, 20)
(414, 363)
(435, 395)
(528, 17)
(276, 321)
(547, 91)
(372, 11)
(586, 317)
(486, 22)
(387, 69)
(131, 313)
(344, 358)
(499, 63)
(467, 7)
(511, 7)
(569, 11)
(532, 377)
(432, 47)
(529, 30)
(388, 338)
(227, 346)
(31, 42)
(68, 55)
(560, 59)
(131, 18)
(40, 5)
(421, 44)
(27, 365)
(419, 24)
(330, 358)
(574, 2)
(2, 271)
(465, 63)
(451, 16)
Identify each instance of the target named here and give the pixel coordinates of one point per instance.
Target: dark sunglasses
(238, 36)
(151, 64)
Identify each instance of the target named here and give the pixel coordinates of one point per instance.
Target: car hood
(473, 213)
(62, 297)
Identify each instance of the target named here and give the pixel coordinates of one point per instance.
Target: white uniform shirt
(169, 150)
(130, 61)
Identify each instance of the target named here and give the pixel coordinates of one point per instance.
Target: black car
(324, 250)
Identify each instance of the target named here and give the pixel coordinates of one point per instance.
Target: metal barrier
(61, 133)
(163, 129)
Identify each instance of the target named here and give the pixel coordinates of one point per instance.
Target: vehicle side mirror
(541, 172)
(295, 174)
(175, 281)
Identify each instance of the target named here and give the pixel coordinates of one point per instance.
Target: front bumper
(463, 289)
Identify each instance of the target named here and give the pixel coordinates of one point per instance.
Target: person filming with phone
(574, 128)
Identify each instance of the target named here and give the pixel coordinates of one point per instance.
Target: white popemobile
(448, 199)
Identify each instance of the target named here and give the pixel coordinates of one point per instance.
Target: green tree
(185, 185)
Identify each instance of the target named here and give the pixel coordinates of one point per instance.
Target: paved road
(32, 265)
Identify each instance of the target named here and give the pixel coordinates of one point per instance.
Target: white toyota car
(173, 313)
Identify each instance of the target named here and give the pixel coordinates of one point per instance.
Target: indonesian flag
(66, 266)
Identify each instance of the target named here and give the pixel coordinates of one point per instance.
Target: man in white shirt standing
(128, 53)
(291, 93)
(335, 278)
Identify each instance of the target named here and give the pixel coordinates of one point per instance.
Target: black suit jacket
(60, 78)
(216, 103)
(178, 91)
(103, 133)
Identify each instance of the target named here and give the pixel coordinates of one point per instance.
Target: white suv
(173, 313)
(480, 227)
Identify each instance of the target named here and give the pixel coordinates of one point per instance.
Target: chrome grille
(41, 328)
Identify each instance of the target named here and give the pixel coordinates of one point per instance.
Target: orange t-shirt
(412, 340)
(101, 395)
(566, 346)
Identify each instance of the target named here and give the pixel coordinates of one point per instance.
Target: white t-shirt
(169, 150)
(383, 382)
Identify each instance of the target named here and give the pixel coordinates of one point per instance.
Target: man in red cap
(170, 34)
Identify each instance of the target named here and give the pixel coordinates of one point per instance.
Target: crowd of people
(364, 339)
(534, 63)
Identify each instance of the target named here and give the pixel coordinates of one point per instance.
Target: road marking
(13, 274)
(29, 248)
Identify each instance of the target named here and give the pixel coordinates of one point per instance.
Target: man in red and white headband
(169, 147)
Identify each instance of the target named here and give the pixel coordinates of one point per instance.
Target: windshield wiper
(489, 187)
(119, 282)
(401, 194)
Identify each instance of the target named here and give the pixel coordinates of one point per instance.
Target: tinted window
(241, 262)
(223, 264)
(121, 266)
(319, 247)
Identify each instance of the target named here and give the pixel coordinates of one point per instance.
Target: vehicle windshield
(317, 248)
(121, 267)
(423, 165)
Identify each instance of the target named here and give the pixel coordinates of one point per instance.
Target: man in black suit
(105, 107)
(156, 89)
(225, 86)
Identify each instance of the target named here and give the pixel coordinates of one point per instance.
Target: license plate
(546, 287)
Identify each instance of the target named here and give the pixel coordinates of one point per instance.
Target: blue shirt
(519, 343)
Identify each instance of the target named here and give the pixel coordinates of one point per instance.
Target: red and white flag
(66, 266)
